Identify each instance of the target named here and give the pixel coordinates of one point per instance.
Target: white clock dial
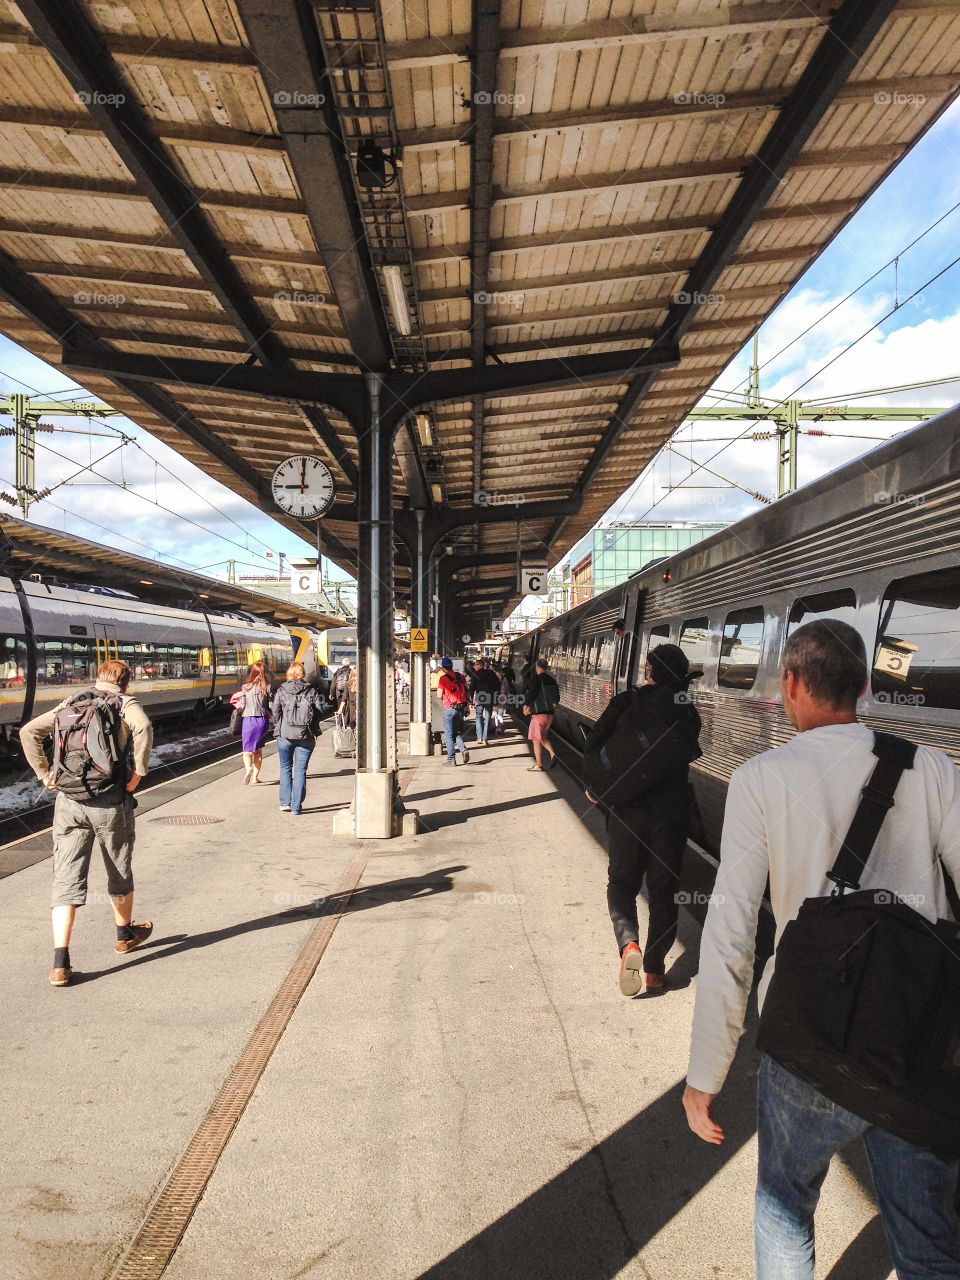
(303, 486)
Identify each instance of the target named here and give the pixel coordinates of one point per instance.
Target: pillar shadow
(400, 890)
(452, 817)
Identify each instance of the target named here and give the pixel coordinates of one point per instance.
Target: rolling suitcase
(344, 742)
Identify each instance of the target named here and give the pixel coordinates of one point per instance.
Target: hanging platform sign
(533, 580)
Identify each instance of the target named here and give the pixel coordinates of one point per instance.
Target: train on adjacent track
(875, 543)
(54, 636)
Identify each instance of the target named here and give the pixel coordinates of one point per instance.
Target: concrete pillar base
(343, 822)
(371, 815)
(421, 739)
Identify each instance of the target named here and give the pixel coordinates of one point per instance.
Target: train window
(917, 657)
(13, 663)
(841, 604)
(66, 661)
(605, 651)
(740, 649)
(694, 634)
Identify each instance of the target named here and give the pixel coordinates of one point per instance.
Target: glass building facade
(606, 557)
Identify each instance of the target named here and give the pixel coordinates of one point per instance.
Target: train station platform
(339, 1060)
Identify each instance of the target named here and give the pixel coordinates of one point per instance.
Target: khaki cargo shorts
(76, 827)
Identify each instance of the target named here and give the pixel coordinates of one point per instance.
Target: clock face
(303, 487)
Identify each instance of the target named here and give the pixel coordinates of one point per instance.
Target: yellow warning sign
(418, 640)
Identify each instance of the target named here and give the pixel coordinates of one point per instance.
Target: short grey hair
(829, 657)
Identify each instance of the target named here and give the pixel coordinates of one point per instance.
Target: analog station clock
(303, 487)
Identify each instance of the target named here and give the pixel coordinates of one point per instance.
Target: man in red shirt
(452, 692)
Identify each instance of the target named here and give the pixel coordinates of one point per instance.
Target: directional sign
(419, 637)
(533, 580)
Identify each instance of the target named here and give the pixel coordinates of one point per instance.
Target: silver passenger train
(875, 543)
(53, 638)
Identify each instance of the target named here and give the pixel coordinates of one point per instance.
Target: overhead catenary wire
(113, 430)
(143, 497)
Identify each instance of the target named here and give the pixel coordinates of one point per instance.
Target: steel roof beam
(483, 87)
(46, 311)
(851, 31)
(285, 40)
(402, 392)
(70, 40)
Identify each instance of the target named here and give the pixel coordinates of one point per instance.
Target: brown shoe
(142, 932)
(60, 977)
(631, 962)
(654, 983)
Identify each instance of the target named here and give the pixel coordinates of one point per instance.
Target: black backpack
(864, 1003)
(301, 715)
(654, 739)
(88, 763)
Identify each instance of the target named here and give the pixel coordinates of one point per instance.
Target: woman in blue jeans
(296, 716)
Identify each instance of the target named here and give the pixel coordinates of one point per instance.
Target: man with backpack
(102, 741)
(296, 725)
(541, 697)
(484, 692)
(863, 993)
(636, 762)
(455, 700)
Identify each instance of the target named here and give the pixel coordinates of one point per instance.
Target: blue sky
(920, 340)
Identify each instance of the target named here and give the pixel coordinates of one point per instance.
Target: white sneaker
(284, 808)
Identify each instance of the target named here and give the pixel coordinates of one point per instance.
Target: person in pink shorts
(541, 697)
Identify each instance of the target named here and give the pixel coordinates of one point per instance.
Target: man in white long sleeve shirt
(786, 815)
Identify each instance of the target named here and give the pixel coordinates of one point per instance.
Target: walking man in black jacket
(647, 835)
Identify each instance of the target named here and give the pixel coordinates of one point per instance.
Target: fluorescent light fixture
(425, 429)
(146, 582)
(397, 297)
(437, 493)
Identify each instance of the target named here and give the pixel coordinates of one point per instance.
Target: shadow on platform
(375, 895)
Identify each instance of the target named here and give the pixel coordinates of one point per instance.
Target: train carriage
(874, 543)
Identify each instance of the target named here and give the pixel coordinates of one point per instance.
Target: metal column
(376, 807)
(421, 728)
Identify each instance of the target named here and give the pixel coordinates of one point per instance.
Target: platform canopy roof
(28, 550)
(179, 179)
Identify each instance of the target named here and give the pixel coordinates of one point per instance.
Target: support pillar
(377, 810)
(421, 727)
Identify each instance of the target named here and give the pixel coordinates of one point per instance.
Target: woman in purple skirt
(256, 720)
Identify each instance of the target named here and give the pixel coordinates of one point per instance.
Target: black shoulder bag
(864, 1003)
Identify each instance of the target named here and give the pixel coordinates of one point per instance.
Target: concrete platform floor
(462, 1092)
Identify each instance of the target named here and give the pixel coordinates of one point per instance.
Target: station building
(609, 554)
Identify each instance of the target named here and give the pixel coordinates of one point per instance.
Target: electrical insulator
(816, 431)
(8, 497)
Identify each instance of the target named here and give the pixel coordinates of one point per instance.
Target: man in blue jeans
(484, 691)
(452, 692)
(786, 815)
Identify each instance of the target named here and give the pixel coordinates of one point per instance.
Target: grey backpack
(88, 763)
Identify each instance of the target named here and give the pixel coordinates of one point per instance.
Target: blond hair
(296, 671)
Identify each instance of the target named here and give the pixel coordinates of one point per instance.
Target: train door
(105, 642)
(629, 654)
